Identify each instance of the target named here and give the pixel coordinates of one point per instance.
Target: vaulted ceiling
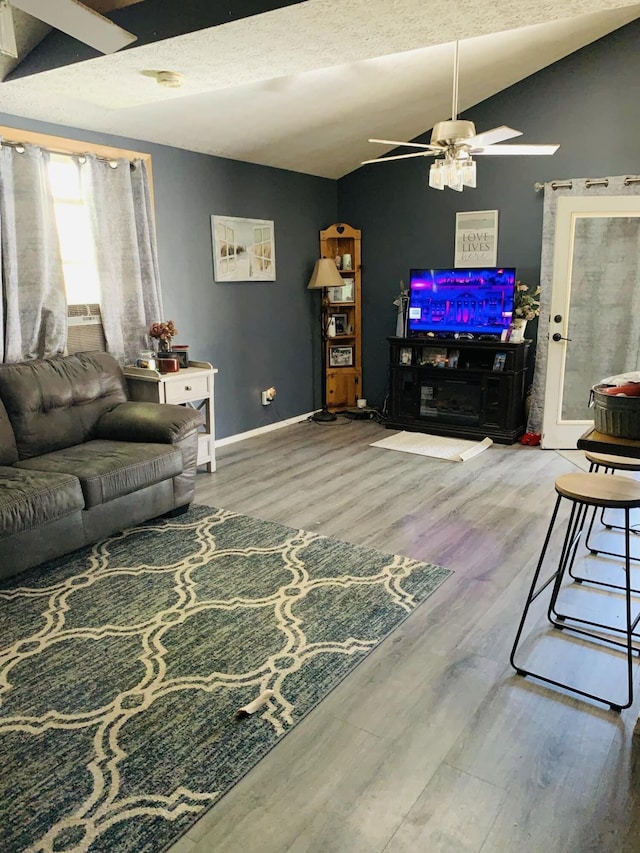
(300, 86)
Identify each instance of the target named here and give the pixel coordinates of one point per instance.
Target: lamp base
(324, 416)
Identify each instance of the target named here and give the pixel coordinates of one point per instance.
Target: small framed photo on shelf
(340, 356)
(499, 361)
(342, 293)
(182, 355)
(433, 356)
(340, 321)
(405, 355)
(347, 289)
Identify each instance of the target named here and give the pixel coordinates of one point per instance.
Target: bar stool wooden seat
(610, 462)
(585, 491)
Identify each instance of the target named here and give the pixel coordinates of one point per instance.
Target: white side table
(191, 386)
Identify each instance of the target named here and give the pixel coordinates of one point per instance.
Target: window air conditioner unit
(84, 329)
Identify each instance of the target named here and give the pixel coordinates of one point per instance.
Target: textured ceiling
(303, 87)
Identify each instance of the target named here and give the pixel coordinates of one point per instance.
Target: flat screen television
(474, 301)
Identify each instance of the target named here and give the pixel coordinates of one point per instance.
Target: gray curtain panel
(605, 298)
(33, 317)
(118, 197)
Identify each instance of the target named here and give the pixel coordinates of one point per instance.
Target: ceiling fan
(69, 16)
(458, 142)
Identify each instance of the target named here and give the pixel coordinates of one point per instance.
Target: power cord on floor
(339, 421)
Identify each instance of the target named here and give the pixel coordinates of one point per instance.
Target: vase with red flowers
(164, 333)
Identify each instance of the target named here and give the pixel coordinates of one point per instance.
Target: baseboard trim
(252, 433)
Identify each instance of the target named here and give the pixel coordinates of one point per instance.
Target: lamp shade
(325, 274)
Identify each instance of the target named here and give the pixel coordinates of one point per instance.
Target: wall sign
(476, 238)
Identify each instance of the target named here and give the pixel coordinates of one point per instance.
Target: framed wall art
(476, 240)
(243, 249)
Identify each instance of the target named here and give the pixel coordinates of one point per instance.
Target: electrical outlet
(268, 396)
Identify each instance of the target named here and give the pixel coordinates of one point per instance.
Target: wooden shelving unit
(344, 350)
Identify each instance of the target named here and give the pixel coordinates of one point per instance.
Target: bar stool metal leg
(596, 494)
(533, 593)
(609, 465)
(595, 467)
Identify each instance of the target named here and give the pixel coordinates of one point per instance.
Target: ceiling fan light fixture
(453, 173)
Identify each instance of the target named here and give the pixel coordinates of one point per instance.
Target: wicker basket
(617, 415)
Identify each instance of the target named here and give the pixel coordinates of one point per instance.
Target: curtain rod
(589, 182)
(112, 161)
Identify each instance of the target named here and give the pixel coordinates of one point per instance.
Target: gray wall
(256, 334)
(406, 224)
(266, 334)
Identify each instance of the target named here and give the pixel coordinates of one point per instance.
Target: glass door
(594, 328)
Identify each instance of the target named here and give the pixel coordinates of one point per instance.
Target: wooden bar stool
(609, 464)
(585, 491)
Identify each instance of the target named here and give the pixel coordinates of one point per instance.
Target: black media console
(458, 387)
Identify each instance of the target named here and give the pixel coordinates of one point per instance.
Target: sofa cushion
(110, 469)
(30, 498)
(8, 449)
(55, 402)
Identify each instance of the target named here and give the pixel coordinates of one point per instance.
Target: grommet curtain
(33, 308)
(33, 317)
(117, 195)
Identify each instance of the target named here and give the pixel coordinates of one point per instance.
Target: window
(72, 219)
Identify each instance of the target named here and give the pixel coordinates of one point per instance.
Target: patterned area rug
(122, 668)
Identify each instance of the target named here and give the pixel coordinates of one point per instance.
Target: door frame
(556, 432)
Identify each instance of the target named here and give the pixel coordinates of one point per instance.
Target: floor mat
(437, 446)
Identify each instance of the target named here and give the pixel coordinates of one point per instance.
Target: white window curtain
(33, 322)
(118, 198)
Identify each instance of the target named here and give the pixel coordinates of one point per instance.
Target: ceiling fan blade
(516, 150)
(398, 157)
(489, 137)
(408, 144)
(78, 21)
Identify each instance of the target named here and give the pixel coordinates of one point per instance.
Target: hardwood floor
(433, 743)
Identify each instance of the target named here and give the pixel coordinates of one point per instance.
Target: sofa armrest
(161, 423)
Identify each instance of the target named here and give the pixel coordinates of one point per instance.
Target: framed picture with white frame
(243, 249)
(340, 321)
(342, 293)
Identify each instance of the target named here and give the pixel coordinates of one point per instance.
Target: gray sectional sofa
(79, 461)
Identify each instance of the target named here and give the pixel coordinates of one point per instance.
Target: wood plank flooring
(433, 744)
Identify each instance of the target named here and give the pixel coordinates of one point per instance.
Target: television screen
(449, 301)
